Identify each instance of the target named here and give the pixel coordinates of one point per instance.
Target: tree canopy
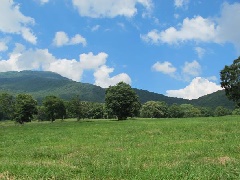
(230, 80)
(55, 107)
(25, 108)
(122, 101)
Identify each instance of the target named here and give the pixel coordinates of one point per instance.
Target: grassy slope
(199, 148)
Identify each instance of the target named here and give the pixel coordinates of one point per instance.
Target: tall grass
(194, 148)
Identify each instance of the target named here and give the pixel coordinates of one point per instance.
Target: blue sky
(172, 47)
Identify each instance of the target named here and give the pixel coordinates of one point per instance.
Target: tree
(175, 111)
(154, 109)
(221, 111)
(75, 107)
(25, 108)
(6, 106)
(55, 107)
(190, 111)
(236, 111)
(122, 101)
(230, 81)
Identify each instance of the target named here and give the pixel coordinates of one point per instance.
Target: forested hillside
(40, 84)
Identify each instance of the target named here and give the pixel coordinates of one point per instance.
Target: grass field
(194, 148)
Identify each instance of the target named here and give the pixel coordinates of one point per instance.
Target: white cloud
(180, 3)
(16, 22)
(165, 67)
(109, 8)
(78, 39)
(67, 68)
(103, 79)
(61, 39)
(197, 88)
(200, 51)
(196, 29)
(187, 72)
(224, 29)
(41, 59)
(152, 37)
(91, 61)
(228, 24)
(192, 68)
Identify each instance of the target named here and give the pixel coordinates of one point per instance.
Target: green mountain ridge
(42, 83)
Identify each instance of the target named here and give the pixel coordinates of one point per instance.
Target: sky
(171, 47)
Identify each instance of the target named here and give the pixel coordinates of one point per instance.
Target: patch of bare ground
(6, 176)
(220, 160)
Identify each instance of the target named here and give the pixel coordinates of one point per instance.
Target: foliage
(42, 113)
(75, 108)
(236, 111)
(175, 111)
(6, 106)
(206, 111)
(122, 100)
(221, 111)
(55, 107)
(190, 111)
(230, 80)
(154, 109)
(25, 108)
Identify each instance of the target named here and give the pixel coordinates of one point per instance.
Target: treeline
(24, 108)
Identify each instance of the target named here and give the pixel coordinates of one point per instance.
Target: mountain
(213, 100)
(41, 83)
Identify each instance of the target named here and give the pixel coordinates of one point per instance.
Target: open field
(194, 148)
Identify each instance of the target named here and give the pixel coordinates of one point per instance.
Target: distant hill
(42, 83)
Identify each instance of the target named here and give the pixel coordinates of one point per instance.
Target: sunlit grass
(194, 148)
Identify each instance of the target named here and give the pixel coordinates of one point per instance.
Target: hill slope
(40, 84)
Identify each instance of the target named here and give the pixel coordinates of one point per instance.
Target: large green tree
(122, 101)
(25, 108)
(6, 106)
(230, 81)
(54, 107)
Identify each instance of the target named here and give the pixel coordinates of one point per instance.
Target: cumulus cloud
(41, 59)
(228, 24)
(197, 88)
(196, 29)
(91, 61)
(223, 29)
(61, 39)
(16, 22)
(186, 73)
(103, 79)
(165, 67)
(110, 8)
(152, 37)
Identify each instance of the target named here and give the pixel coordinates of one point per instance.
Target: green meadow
(191, 148)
